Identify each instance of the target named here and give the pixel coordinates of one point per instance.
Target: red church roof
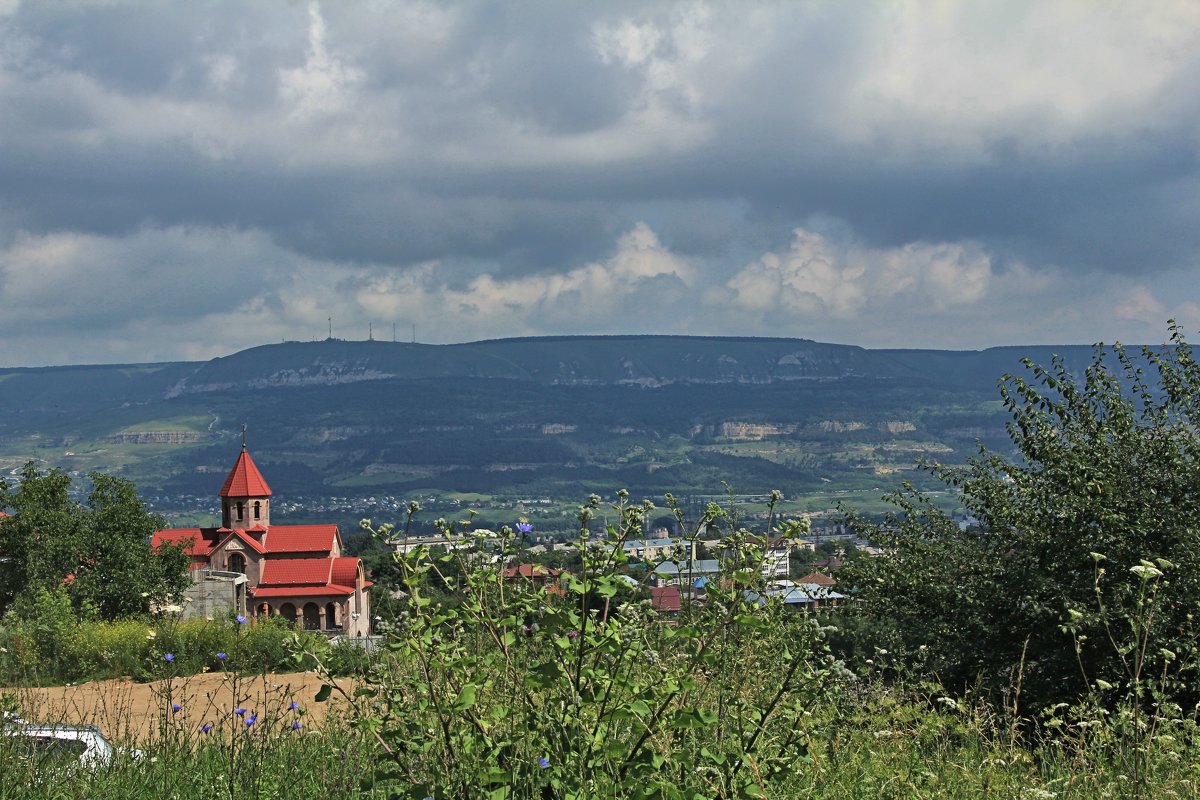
(345, 570)
(301, 538)
(243, 537)
(299, 577)
(194, 541)
(329, 590)
(245, 480)
(296, 571)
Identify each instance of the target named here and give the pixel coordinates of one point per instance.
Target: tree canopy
(1077, 567)
(98, 551)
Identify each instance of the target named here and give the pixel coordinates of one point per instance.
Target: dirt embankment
(131, 712)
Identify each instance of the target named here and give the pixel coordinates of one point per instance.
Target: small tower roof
(244, 479)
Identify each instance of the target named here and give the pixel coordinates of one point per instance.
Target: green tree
(99, 551)
(1048, 587)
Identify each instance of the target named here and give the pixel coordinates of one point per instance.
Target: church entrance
(312, 617)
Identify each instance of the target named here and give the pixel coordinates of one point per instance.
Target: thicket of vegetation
(1078, 577)
(94, 553)
(49, 645)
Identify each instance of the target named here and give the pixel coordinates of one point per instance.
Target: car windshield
(47, 750)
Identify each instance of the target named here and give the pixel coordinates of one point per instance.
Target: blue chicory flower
(176, 707)
(293, 706)
(241, 712)
(250, 720)
(222, 656)
(524, 527)
(169, 657)
(240, 619)
(296, 725)
(205, 728)
(543, 762)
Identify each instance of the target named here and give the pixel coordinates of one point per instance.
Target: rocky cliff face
(754, 431)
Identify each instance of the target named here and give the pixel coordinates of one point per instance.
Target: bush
(584, 691)
(43, 642)
(1078, 572)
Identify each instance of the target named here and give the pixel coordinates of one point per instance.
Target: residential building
(659, 549)
(670, 573)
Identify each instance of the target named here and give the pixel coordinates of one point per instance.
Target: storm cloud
(184, 180)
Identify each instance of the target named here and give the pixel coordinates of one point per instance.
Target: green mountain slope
(555, 416)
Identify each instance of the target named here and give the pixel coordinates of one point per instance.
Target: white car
(53, 744)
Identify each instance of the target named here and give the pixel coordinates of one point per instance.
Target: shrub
(1078, 570)
(516, 691)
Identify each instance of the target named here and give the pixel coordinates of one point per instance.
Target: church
(294, 571)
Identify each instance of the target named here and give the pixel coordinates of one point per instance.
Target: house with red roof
(294, 571)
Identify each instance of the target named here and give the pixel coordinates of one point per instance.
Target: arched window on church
(236, 563)
(241, 509)
(257, 510)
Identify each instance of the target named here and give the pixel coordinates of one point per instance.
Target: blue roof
(802, 594)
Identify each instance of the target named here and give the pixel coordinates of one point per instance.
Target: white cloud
(325, 84)
(953, 78)
(824, 276)
(1140, 304)
(596, 296)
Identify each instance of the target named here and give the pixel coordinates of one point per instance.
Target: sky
(185, 180)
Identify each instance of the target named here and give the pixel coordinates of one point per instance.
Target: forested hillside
(549, 416)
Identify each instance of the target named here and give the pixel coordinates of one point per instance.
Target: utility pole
(370, 332)
(331, 329)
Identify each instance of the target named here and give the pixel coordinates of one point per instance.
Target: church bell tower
(245, 497)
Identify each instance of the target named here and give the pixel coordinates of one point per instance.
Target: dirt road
(128, 711)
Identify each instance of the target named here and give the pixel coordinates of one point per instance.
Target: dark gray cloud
(878, 173)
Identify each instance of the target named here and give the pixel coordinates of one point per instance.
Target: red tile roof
(195, 541)
(301, 591)
(301, 538)
(296, 571)
(665, 599)
(345, 571)
(820, 579)
(280, 539)
(530, 571)
(242, 536)
(245, 480)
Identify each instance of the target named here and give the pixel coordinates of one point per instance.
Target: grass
(871, 742)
